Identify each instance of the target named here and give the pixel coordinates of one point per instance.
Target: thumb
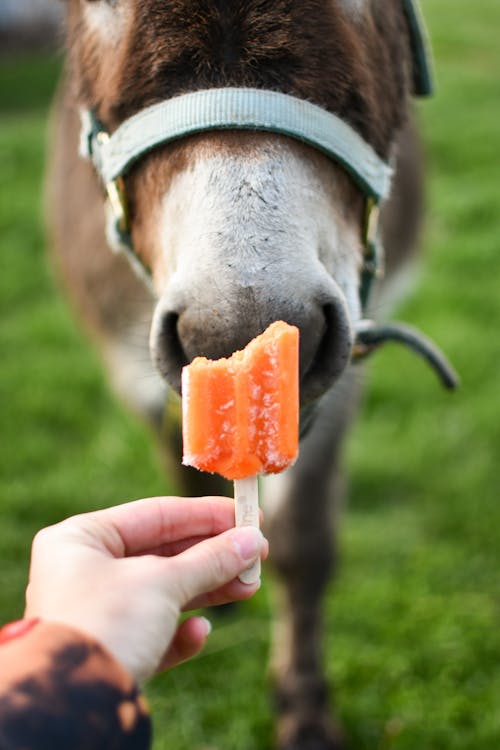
(216, 561)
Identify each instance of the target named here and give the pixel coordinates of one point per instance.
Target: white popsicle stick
(246, 501)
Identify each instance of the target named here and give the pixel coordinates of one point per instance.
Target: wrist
(17, 628)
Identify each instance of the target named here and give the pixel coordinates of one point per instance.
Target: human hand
(124, 574)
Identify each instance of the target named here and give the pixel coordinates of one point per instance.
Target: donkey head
(239, 229)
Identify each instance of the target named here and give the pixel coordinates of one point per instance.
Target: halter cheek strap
(423, 78)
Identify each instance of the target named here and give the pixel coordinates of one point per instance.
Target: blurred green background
(413, 620)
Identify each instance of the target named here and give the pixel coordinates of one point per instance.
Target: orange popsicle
(240, 417)
(240, 414)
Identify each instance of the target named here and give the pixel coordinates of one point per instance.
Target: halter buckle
(115, 192)
(373, 259)
(116, 197)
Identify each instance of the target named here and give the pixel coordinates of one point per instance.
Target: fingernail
(248, 541)
(257, 582)
(208, 625)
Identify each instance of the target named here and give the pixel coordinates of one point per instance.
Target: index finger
(144, 525)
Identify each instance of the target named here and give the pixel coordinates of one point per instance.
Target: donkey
(232, 227)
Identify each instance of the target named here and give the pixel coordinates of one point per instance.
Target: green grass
(413, 644)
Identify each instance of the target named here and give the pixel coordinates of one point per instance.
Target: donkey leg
(300, 510)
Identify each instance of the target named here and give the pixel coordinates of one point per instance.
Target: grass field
(413, 621)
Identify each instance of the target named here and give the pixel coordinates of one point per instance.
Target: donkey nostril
(169, 353)
(332, 354)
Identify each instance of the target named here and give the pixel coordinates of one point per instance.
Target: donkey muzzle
(211, 323)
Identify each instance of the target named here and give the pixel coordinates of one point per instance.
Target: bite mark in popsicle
(240, 415)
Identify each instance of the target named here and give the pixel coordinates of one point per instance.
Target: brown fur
(307, 49)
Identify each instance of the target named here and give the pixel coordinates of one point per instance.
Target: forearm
(60, 689)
